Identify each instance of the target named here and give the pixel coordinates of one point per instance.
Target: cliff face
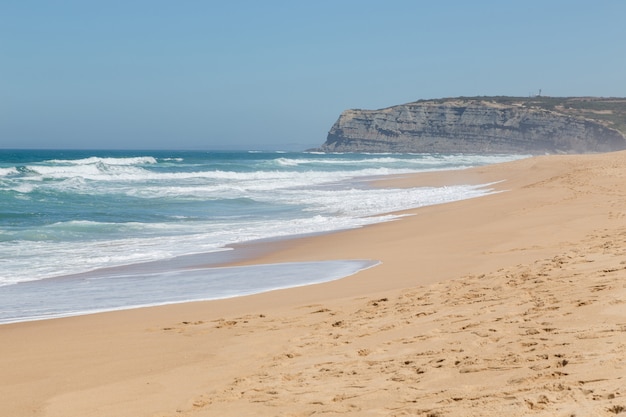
(469, 126)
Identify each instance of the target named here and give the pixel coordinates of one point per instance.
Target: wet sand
(509, 304)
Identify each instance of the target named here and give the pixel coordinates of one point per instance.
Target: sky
(276, 75)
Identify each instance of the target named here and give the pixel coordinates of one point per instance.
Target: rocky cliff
(474, 126)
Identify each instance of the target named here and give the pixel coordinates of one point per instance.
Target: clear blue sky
(152, 74)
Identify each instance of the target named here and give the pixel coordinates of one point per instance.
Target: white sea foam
(414, 161)
(368, 202)
(57, 250)
(202, 184)
(102, 172)
(91, 213)
(98, 172)
(136, 170)
(38, 256)
(8, 171)
(22, 188)
(139, 160)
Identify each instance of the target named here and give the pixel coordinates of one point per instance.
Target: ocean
(83, 231)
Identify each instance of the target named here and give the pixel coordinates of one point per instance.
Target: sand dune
(511, 304)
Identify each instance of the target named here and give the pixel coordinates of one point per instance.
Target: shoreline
(466, 283)
(87, 285)
(181, 286)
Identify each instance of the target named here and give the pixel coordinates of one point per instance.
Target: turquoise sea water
(68, 217)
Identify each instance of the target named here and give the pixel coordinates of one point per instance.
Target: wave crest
(137, 160)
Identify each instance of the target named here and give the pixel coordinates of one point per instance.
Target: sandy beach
(510, 304)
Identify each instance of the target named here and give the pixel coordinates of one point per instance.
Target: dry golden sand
(511, 304)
